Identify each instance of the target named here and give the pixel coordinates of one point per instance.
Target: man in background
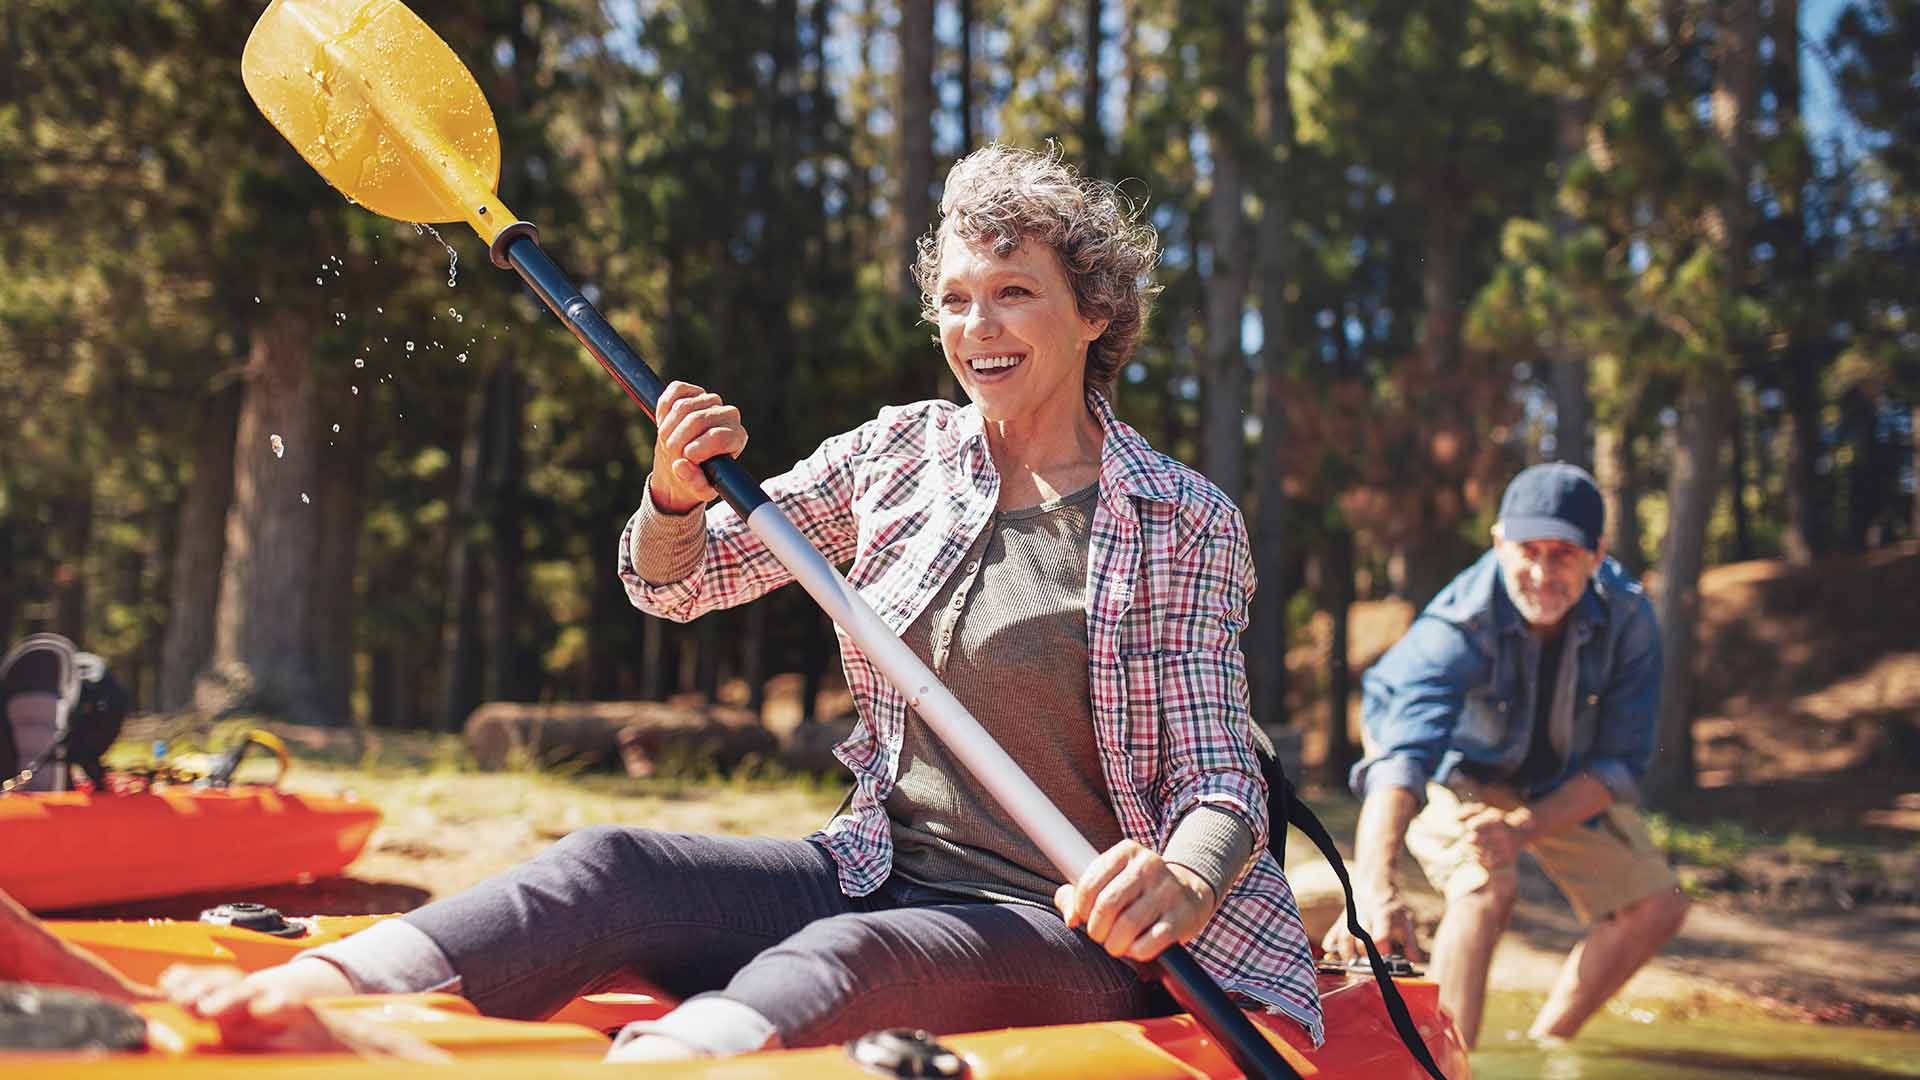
(1517, 714)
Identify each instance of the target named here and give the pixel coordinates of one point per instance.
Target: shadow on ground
(326, 896)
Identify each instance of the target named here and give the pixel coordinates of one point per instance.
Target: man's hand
(1496, 836)
(1386, 919)
(1135, 903)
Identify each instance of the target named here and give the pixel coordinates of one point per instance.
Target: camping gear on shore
(139, 832)
(383, 109)
(163, 831)
(60, 709)
(1359, 1043)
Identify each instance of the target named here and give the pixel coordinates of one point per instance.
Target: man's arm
(1384, 914)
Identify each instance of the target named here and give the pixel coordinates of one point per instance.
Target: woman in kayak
(1081, 593)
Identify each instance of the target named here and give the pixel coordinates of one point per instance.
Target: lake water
(1661, 1041)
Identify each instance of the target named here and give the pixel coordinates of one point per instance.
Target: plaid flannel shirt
(1169, 576)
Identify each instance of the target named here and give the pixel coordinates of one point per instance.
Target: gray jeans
(726, 922)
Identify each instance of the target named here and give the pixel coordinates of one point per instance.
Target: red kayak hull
(81, 849)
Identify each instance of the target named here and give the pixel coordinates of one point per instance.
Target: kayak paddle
(386, 112)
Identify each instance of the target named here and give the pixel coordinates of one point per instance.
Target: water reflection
(1666, 1041)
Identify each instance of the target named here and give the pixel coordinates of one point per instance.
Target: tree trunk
(653, 658)
(1693, 483)
(338, 509)
(9, 578)
(1860, 415)
(73, 527)
(1440, 281)
(260, 659)
(1267, 633)
(816, 654)
(460, 632)
(1707, 412)
(753, 655)
(1093, 139)
(1340, 754)
(914, 120)
(1618, 475)
(1806, 536)
(1427, 560)
(1737, 488)
(1223, 432)
(200, 540)
(510, 676)
(966, 77)
(1572, 407)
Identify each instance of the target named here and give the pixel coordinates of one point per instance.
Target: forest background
(268, 452)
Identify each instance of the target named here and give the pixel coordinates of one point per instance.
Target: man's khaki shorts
(1601, 867)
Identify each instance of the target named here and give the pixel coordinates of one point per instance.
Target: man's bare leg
(1463, 949)
(1603, 962)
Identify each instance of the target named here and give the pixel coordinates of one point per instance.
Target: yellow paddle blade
(375, 101)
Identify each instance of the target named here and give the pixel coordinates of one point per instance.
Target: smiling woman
(1080, 594)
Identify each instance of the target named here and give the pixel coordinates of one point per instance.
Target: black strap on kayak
(1284, 809)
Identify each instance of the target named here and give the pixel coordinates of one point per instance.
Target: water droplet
(360, 361)
(356, 391)
(319, 281)
(279, 445)
(409, 346)
(304, 499)
(256, 299)
(463, 358)
(336, 429)
(380, 310)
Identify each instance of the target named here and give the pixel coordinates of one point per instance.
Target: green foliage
(721, 175)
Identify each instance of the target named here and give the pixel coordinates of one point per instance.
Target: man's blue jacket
(1457, 692)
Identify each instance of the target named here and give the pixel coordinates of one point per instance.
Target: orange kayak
(1360, 1040)
(76, 849)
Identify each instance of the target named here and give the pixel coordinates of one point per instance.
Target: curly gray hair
(999, 196)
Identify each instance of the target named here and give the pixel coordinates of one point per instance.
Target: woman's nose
(981, 323)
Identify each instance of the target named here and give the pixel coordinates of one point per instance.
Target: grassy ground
(1813, 924)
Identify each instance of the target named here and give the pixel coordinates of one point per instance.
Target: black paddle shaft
(518, 247)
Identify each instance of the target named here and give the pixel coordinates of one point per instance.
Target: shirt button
(1502, 706)
(972, 566)
(1593, 699)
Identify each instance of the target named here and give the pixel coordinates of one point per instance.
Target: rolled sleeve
(1213, 843)
(1203, 684)
(1412, 702)
(732, 566)
(665, 548)
(1389, 771)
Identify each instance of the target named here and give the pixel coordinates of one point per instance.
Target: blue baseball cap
(1553, 502)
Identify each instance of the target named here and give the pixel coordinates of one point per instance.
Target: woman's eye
(951, 300)
(1015, 290)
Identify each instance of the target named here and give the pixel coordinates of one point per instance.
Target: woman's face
(1011, 330)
